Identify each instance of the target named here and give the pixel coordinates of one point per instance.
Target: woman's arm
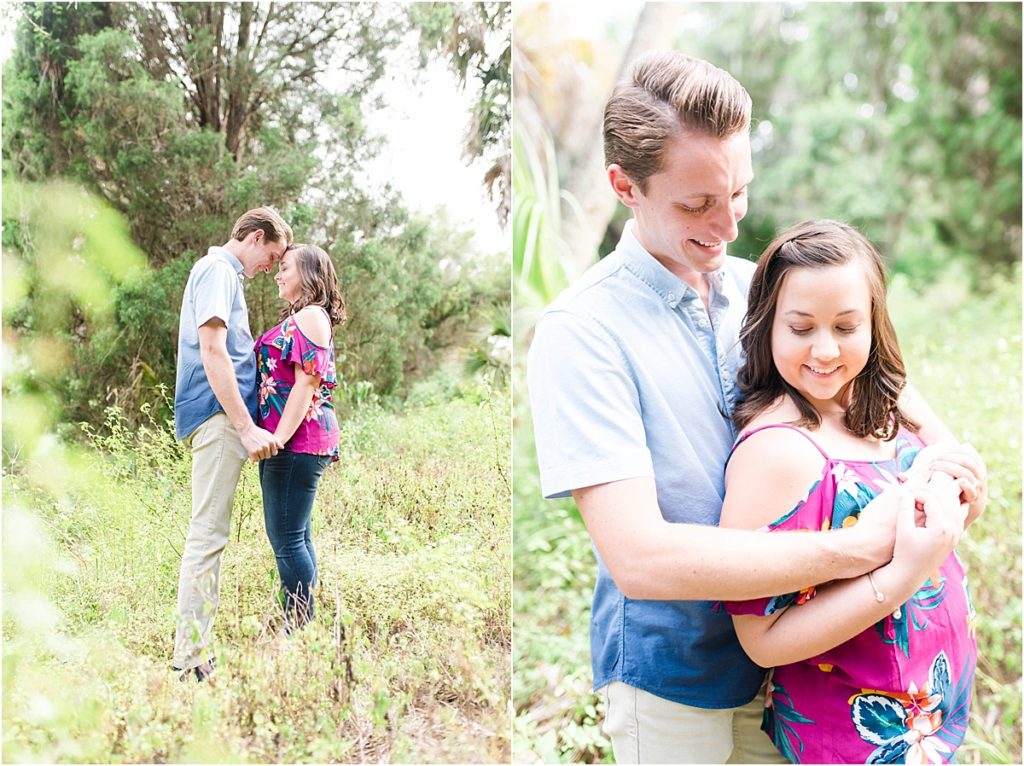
(297, 405)
(843, 609)
(312, 323)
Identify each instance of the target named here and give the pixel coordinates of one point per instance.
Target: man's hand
(877, 524)
(260, 443)
(964, 464)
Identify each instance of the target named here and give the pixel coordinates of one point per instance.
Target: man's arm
(944, 453)
(932, 429)
(650, 558)
(841, 610)
(213, 350)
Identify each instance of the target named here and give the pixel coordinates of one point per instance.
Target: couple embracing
(267, 401)
(775, 542)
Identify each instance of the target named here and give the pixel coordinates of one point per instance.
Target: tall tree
(182, 115)
(223, 105)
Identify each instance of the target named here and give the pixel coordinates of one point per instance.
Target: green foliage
(183, 134)
(963, 352)
(391, 285)
(412, 533)
(902, 118)
(64, 252)
(536, 223)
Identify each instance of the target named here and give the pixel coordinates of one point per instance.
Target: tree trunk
(656, 28)
(239, 82)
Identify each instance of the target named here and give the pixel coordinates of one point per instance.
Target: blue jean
(289, 481)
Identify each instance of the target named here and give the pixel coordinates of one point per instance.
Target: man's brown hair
(265, 219)
(664, 94)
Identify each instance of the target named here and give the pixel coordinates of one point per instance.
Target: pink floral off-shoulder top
(898, 692)
(278, 350)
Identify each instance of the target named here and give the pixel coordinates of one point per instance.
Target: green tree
(181, 116)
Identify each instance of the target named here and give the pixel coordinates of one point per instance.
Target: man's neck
(234, 247)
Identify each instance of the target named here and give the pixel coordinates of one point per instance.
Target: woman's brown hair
(319, 283)
(873, 409)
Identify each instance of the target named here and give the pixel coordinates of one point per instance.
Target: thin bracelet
(879, 597)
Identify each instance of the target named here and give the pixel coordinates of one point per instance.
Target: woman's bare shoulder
(314, 324)
(769, 471)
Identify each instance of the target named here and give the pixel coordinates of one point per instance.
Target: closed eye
(697, 210)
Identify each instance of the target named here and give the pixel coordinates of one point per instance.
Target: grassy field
(964, 354)
(406, 661)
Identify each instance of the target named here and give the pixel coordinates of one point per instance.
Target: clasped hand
(944, 491)
(260, 444)
(962, 463)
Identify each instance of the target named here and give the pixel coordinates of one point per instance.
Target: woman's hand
(963, 463)
(929, 524)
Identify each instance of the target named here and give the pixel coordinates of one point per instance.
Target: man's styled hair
(319, 283)
(663, 94)
(873, 409)
(267, 220)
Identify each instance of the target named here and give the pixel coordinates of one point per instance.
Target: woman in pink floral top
(877, 669)
(295, 375)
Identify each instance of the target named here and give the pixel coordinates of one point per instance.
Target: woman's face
(289, 282)
(821, 334)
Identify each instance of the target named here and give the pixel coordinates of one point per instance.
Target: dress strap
(780, 425)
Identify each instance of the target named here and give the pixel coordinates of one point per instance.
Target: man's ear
(623, 187)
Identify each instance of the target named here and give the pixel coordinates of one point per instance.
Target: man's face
(689, 211)
(260, 254)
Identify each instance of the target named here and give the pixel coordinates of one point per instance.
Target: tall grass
(406, 660)
(964, 353)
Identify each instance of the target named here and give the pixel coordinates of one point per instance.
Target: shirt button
(671, 297)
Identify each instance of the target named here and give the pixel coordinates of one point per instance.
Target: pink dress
(900, 691)
(277, 351)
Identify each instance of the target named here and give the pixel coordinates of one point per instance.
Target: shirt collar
(226, 255)
(645, 266)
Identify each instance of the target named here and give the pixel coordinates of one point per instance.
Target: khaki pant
(645, 728)
(217, 460)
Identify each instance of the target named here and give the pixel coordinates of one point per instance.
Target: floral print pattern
(887, 694)
(318, 432)
(918, 726)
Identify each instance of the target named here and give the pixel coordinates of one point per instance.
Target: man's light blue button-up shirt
(214, 289)
(629, 377)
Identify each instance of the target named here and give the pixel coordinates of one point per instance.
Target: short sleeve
(213, 290)
(310, 358)
(586, 407)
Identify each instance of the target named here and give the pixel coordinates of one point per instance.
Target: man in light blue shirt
(215, 412)
(632, 380)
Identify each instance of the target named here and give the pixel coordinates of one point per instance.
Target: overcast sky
(424, 123)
